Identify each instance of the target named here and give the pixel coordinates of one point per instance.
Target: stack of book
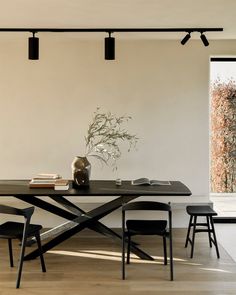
(61, 184)
(54, 181)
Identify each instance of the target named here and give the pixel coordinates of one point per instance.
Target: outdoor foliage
(223, 136)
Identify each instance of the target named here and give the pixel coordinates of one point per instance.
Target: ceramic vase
(81, 170)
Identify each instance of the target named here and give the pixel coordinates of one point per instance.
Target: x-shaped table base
(77, 221)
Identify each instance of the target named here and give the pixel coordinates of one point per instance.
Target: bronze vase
(81, 170)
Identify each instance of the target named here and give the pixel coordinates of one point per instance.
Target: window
(223, 124)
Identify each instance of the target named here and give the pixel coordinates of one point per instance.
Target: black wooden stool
(208, 212)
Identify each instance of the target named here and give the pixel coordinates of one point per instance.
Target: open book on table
(146, 181)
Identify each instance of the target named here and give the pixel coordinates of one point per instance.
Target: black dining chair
(21, 231)
(132, 227)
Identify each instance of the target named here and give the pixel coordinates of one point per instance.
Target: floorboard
(90, 264)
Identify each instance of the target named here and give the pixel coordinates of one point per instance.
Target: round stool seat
(200, 210)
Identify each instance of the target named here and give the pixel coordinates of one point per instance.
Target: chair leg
(10, 252)
(20, 266)
(171, 258)
(165, 252)
(37, 237)
(193, 236)
(123, 256)
(209, 230)
(189, 228)
(214, 235)
(128, 249)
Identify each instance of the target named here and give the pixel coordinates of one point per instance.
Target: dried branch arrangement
(104, 136)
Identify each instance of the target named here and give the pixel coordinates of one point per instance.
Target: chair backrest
(147, 205)
(27, 212)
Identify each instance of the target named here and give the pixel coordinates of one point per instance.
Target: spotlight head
(33, 48)
(109, 48)
(185, 39)
(204, 39)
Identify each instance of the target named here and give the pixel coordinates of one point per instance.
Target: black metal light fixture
(204, 39)
(186, 38)
(109, 47)
(33, 47)
(109, 41)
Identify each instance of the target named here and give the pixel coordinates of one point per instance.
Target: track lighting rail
(113, 30)
(33, 42)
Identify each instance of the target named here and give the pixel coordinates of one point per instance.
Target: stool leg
(214, 235)
(209, 231)
(193, 236)
(189, 227)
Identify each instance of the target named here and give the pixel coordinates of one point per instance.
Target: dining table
(76, 219)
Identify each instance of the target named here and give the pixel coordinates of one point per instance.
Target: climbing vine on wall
(223, 136)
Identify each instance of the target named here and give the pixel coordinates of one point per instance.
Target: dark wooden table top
(96, 188)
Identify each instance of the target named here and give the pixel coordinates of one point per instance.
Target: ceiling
(122, 14)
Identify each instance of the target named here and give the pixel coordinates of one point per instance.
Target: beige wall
(46, 106)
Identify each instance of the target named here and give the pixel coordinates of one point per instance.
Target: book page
(140, 181)
(159, 182)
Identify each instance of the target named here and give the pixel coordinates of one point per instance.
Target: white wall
(46, 106)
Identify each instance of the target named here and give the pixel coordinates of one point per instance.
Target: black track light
(204, 39)
(109, 47)
(33, 42)
(185, 39)
(33, 47)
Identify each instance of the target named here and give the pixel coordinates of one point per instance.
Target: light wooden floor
(90, 265)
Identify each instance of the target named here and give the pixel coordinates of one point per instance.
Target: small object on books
(146, 181)
(118, 181)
